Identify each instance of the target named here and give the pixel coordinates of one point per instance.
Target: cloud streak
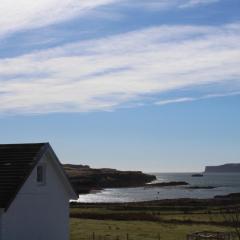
(195, 3)
(116, 71)
(26, 14)
(191, 99)
(166, 4)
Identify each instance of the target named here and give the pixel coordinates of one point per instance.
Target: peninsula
(86, 179)
(226, 168)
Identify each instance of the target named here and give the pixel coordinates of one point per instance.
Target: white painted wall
(1, 212)
(39, 212)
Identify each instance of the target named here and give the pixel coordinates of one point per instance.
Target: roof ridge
(25, 143)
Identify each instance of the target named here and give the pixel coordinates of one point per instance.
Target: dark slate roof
(16, 163)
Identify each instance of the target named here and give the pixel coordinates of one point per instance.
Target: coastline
(166, 186)
(218, 199)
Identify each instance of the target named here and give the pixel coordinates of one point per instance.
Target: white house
(34, 193)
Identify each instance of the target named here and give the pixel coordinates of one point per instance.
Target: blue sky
(149, 85)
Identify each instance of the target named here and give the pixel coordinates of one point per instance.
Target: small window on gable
(41, 174)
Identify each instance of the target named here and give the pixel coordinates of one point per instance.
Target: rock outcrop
(85, 179)
(226, 168)
(229, 196)
(166, 184)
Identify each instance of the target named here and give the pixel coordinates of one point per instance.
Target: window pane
(39, 174)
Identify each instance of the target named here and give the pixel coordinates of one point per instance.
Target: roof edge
(71, 189)
(37, 158)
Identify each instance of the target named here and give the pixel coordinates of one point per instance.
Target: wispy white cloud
(111, 72)
(166, 4)
(175, 100)
(195, 3)
(191, 99)
(28, 14)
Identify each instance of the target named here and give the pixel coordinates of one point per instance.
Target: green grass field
(118, 222)
(82, 229)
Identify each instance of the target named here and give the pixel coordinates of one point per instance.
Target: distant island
(226, 168)
(86, 179)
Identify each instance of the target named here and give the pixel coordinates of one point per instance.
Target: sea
(223, 183)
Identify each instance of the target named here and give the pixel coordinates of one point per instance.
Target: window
(40, 174)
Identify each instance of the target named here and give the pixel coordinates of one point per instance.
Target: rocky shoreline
(89, 180)
(85, 179)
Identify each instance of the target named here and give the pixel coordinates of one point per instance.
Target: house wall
(39, 212)
(1, 212)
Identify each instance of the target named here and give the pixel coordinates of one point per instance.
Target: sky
(128, 84)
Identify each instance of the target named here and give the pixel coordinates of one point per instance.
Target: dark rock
(201, 187)
(197, 175)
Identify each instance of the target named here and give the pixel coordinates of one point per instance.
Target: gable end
(16, 164)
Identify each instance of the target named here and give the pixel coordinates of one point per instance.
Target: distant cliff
(227, 168)
(84, 179)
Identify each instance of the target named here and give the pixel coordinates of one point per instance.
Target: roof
(16, 164)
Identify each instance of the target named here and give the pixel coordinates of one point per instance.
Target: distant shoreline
(228, 199)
